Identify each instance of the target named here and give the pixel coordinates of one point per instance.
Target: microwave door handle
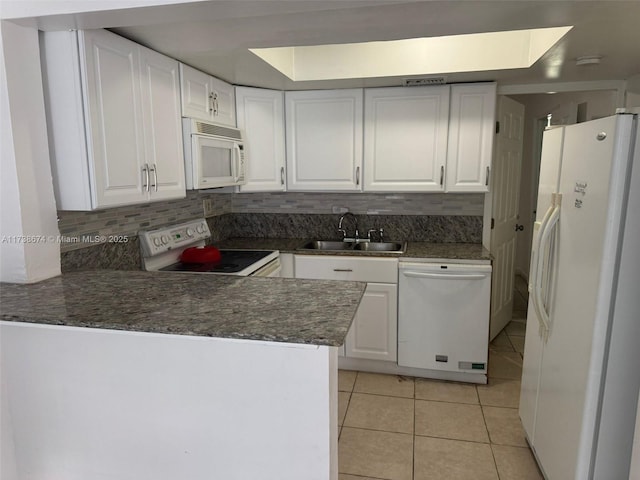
(236, 163)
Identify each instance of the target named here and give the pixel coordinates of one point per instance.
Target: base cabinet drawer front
(324, 267)
(373, 333)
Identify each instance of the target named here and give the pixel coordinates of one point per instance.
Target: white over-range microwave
(213, 154)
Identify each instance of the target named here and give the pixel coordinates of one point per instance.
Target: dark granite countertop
(418, 251)
(271, 309)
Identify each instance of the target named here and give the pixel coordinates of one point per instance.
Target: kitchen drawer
(327, 267)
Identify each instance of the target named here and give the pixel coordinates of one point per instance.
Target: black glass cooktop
(232, 261)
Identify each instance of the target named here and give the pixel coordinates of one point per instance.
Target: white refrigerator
(581, 369)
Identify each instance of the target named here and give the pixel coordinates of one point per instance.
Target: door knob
(519, 228)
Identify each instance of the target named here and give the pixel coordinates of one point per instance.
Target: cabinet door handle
(487, 180)
(281, 175)
(211, 102)
(357, 175)
(154, 169)
(145, 171)
(441, 174)
(342, 270)
(215, 104)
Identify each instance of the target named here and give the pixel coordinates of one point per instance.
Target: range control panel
(162, 240)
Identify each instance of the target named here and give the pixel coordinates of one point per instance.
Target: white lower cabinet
(373, 333)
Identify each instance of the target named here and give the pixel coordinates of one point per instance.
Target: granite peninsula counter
(270, 309)
(177, 376)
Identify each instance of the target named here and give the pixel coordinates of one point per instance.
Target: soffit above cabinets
(215, 36)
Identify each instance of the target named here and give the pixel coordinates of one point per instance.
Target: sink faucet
(344, 232)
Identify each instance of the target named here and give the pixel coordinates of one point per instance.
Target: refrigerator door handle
(537, 266)
(537, 293)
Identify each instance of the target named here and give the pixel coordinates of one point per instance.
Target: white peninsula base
(82, 403)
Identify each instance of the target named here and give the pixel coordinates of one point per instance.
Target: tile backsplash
(412, 216)
(129, 220)
(361, 203)
(413, 228)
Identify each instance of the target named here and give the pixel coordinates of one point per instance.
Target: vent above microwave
(217, 130)
(416, 82)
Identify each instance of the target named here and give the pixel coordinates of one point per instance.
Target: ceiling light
(414, 56)
(588, 60)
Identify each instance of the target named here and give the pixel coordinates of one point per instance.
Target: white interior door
(506, 192)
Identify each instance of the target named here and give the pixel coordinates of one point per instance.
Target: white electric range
(162, 248)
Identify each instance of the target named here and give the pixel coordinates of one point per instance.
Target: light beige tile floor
(401, 428)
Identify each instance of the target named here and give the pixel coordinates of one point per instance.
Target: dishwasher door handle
(445, 276)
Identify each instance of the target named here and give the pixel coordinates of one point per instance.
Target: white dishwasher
(443, 316)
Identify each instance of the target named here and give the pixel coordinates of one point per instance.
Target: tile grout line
(413, 439)
(495, 464)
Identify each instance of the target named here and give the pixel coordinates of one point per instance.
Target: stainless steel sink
(327, 245)
(338, 246)
(379, 247)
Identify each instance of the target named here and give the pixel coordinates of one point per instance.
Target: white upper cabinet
(405, 138)
(115, 135)
(206, 98)
(471, 133)
(260, 115)
(113, 120)
(160, 82)
(324, 140)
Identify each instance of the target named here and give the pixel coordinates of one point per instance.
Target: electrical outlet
(207, 206)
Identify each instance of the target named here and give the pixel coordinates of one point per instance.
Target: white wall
(633, 92)
(563, 107)
(8, 466)
(29, 251)
(166, 407)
